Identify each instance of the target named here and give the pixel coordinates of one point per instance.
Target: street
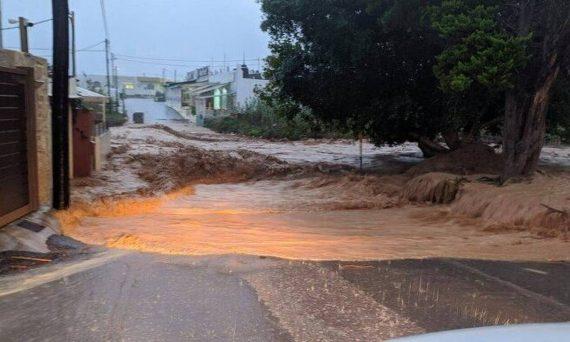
(299, 258)
(273, 170)
(121, 296)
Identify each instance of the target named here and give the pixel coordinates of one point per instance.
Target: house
(89, 120)
(26, 158)
(89, 136)
(208, 94)
(131, 86)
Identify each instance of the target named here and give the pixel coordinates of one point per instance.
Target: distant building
(210, 94)
(131, 86)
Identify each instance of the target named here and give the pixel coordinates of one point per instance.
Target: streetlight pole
(107, 58)
(60, 104)
(1, 28)
(73, 57)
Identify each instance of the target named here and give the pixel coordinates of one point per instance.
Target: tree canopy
(417, 70)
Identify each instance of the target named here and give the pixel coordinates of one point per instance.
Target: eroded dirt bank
(185, 190)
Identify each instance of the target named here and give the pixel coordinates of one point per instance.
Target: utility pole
(175, 75)
(116, 82)
(163, 75)
(23, 22)
(1, 28)
(107, 58)
(60, 104)
(73, 51)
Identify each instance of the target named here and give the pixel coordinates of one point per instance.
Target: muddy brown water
(276, 218)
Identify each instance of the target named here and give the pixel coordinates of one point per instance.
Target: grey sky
(190, 30)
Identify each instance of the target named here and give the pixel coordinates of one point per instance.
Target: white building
(209, 94)
(131, 86)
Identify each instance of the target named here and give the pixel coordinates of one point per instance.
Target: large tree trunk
(524, 129)
(527, 104)
(430, 148)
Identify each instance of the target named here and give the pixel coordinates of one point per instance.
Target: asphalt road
(120, 296)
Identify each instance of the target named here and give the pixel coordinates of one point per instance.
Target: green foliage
(262, 120)
(558, 117)
(115, 119)
(366, 64)
(479, 55)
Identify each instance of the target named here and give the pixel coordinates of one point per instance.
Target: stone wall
(15, 59)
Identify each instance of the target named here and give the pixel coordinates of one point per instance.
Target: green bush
(115, 119)
(260, 120)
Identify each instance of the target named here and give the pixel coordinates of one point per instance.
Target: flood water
(154, 112)
(274, 218)
(282, 218)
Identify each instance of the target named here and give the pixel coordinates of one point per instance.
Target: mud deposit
(179, 189)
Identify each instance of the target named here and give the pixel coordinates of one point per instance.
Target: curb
(30, 233)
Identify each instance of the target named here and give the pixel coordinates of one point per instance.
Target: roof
(210, 88)
(88, 94)
(175, 84)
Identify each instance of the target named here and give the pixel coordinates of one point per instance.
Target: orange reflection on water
(275, 219)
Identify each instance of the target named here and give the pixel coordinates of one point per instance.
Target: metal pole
(116, 83)
(24, 35)
(60, 104)
(107, 58)
(360, 138)
(73, 51)
(1, 27)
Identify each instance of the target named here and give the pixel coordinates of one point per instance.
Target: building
(25, 136)
(131, 86)
(26, 162)
(208, 94)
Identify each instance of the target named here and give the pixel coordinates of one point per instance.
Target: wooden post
(60, 104)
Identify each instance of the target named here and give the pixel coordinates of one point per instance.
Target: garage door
(15, 195)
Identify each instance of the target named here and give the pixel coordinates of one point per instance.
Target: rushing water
(277, 219)
(288, 218)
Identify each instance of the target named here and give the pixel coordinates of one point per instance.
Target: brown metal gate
(17, 182)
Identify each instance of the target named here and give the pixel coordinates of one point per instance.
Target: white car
(559, 332)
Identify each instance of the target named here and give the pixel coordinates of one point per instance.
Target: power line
(155, 63)
(92, 46)
(42, 21)
(49, 49)
(184, 60)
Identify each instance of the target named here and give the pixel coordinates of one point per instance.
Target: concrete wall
(245, 89)
(42, 116)
(102, 149)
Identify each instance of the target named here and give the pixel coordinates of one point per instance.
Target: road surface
(122, 296)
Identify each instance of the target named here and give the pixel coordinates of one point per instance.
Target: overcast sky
(195, 31)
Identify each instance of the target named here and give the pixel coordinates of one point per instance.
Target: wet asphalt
(123, 296)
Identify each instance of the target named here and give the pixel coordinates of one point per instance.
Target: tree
(548, 23)
(558, 118)
(479, 63)
(364, 63)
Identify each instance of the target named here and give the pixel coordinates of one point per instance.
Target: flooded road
(292, 210)
(276, 218)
